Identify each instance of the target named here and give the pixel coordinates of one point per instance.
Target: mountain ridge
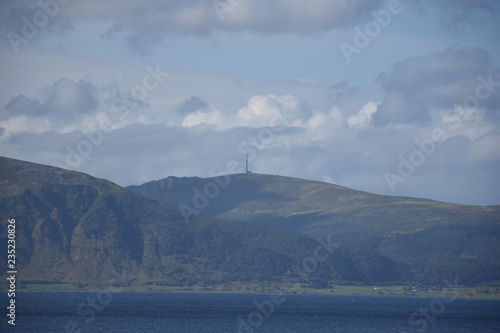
(74, 228)
(410, 230)
(326, 197)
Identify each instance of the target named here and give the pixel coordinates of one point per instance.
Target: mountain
(433, 237)
(71, 227)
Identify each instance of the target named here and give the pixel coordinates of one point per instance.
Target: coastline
(476, 292)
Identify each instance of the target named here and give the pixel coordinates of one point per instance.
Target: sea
(219, 312)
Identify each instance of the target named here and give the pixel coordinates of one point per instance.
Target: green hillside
(74, 228)
(442, 237)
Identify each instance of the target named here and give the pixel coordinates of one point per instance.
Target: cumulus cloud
(272, 110)
(210, 117)
(22, 105)
(260, 111)
(364, 117)
(418, 85)
(192, 104)
(65, 100)
(70, 99)
(195, 124)
(312, 144)
(195, 111)
(68, 105)
(469, 123)
(339, 91)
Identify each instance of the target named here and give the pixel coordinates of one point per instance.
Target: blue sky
(133, 91)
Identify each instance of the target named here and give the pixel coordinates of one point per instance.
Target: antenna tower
(247, 171)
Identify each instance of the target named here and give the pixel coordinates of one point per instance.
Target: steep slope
(72, 227)
(420, 231)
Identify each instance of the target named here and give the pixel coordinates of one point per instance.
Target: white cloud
(462, 121)
(213, 118)
(272, 110)
(316, 143)
(418, 85)
(364, 117)
(261, 111)
(194, 122)
(64, 100)
(20, 124)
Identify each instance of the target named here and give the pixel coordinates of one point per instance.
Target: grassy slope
(443, 237)
(317, 208)
(74, 228)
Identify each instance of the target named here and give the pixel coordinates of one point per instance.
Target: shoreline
(478, 292)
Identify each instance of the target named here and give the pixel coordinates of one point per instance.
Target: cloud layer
(143, 25)
(356, 147)
(77, 98)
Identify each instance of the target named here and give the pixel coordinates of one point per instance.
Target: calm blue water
(188, 312)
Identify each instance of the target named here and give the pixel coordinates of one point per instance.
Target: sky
(390, 97)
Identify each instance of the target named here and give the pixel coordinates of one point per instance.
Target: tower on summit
(247, 171)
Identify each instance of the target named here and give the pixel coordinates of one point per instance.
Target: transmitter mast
(247, 171)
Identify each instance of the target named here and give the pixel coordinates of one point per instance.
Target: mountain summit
(437, 235)
(71, 227)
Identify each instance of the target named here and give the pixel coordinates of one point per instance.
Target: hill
(74, 228)
(438, 237)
